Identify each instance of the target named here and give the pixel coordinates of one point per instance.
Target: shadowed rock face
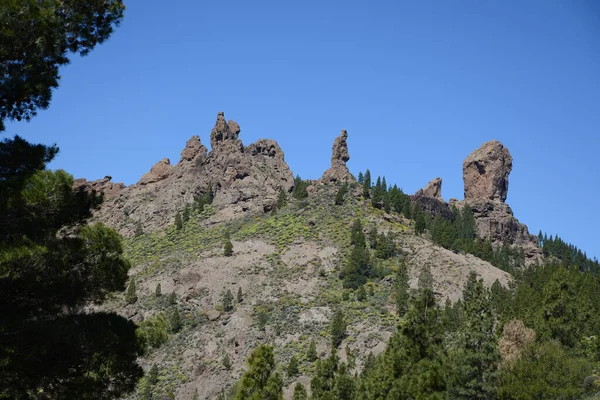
(241, 179)
(339, 171)
(485, 172)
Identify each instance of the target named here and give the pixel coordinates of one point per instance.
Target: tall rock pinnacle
(223, 131)
(339, 172)
(485, 172)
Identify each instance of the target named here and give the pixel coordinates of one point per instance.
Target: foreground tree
(475, 356)
(413, 365)
(51, 266)
(36, 38)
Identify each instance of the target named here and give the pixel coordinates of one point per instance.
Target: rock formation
(101, 186)
(429, 199)
(161, 170)
(433, 189)
(339, 172)
(485, 172)
(485, 176)
(223, 131)
(240, 178)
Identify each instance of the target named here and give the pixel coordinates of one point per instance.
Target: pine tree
(131, 295)
(338, 329)
(361, 178)
(340, 196)
(420, 222)
(361, 295)
(345, 387)
(367, 185)
(377, 200)
(281, 199)
(292, 368)
(172, 300)
(228, 248)
(185, 216)
(240, 296)
(228, 301)
(175, 321)
(372, 236)
(158, 291)
(178, 221)
(323, 383)
(153, 375)
(300, 392)
(475, 355)
(401, 289)
(413, 365)
(260, 380)
(300, 188)
(311, 354)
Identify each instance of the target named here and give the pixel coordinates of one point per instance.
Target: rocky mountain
(286, 262)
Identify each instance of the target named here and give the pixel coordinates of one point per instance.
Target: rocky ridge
(241, 178)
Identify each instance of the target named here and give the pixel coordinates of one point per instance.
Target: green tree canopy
(51, 266)
(36, 38)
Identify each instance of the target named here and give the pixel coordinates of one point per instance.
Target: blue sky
(418, 85)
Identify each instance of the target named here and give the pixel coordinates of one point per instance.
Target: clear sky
(418, 85)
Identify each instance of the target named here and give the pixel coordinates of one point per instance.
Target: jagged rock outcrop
(223, 131)
(485, 172)
(159, 171)
(429, 199)
(485, 176)
(339, 172)
(241, 179)
(101, 186)
(194, 149)
(433, 189)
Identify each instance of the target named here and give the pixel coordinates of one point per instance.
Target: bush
(153, 332)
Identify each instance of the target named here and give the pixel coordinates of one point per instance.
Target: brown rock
(101, 186)
(223, 131)
(193, 149)
(339, 172)
(485, 172)
(213, 315)
(160, 171)
(433, 189)
(242, 179)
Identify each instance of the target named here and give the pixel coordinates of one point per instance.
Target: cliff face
(485, 176)
(240, 178)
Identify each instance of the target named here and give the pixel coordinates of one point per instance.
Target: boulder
(485, 172)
